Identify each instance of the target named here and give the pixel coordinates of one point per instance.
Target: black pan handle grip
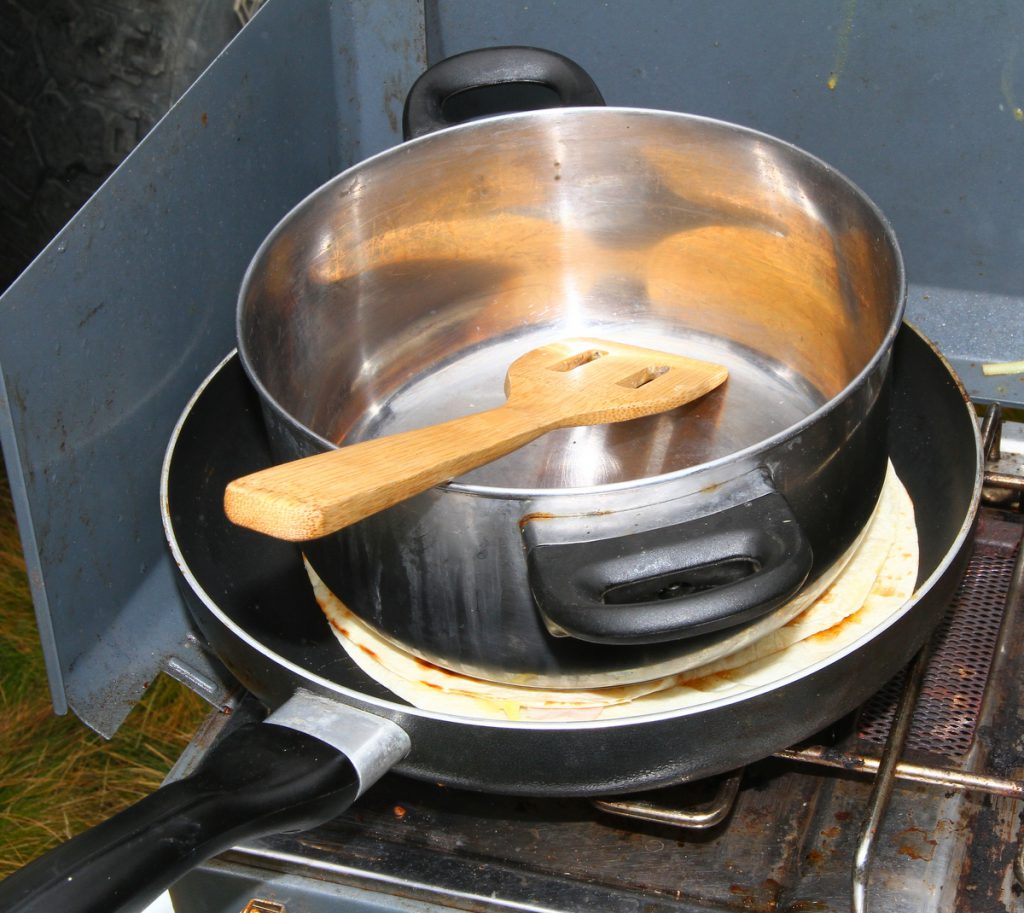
(259, 779)
(674, 582)
(488, 68)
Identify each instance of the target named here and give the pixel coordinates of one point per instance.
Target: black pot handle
(488, 67)
(674, 582)
(259, 779)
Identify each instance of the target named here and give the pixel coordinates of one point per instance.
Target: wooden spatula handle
(321, 494)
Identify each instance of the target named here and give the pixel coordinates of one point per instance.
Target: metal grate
(954, 685)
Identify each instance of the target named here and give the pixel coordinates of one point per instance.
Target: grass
(57, 777)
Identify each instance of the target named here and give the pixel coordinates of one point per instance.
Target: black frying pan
(332, 731)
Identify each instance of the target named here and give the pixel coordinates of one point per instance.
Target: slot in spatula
(563, 384)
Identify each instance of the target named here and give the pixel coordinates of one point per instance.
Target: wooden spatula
(563, 384)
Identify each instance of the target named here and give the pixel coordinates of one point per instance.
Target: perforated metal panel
(962, 650)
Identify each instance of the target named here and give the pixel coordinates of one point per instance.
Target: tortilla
(877, 579)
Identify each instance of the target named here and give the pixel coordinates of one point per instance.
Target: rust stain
(369, 652)
(912, 852)
(773, 886)
(538, 515)
(915, 844)
(399, 812)
(203, 119)
(831, 832)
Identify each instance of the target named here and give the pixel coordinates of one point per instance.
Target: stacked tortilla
(878, 578)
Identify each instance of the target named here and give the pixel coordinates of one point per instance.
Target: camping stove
(911, 804)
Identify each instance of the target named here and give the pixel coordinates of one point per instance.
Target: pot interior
(397, 294)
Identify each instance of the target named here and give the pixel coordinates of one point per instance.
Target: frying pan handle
(259, 779)
(503, 70)
(674, 582)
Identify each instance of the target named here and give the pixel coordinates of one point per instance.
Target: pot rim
(519, 493)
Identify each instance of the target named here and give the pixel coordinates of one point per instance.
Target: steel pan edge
(632, 754)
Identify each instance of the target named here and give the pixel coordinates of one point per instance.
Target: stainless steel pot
(397, 294)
